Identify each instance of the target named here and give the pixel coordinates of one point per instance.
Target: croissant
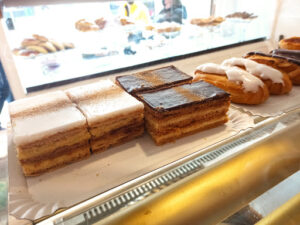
(29, 42)
(49, 46)
(38, 49)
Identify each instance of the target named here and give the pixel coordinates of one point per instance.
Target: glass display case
(245, 171)
(58, 44)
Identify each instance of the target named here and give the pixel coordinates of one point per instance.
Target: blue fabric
(5, 93)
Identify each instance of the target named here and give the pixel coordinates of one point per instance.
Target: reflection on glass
(53, 43)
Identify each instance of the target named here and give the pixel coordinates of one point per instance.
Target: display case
(62, 43)
(243, 172)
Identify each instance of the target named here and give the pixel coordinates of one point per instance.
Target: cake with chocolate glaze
(113, 115)
(152, 79)
(49, 132)
(179, 111)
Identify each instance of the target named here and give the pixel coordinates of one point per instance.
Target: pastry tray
(41, 196)
(275, 105)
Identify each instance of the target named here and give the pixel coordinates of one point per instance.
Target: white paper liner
(33, 198)
(275, 105)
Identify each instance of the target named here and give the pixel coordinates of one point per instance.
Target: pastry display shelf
(91, 56)
(135, 191)
(268, 153)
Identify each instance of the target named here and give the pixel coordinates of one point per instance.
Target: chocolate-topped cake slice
(152, 79)
(183, 110)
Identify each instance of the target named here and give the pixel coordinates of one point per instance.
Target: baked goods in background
(101, 22)
(210, 21)
(152, 79)
(179, 111)
(126, 21)
(277, 82)
(40, 45)
(49, 132)
(113, 116)
(150, 27)
(40, 37)
(243, 87)
(242, 15)
(85, 26)
(292, 43)
(286, 65)
(167, 27)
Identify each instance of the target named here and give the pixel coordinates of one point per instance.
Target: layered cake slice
(113, 116)
(183, 110)
(49, 132)
(152, 79)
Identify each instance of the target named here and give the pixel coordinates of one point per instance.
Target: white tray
(275, 105)
(33, 198)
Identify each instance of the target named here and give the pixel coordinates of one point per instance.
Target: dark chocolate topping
(183, 95)
(289, 54)
(292, 60)
(151, 79)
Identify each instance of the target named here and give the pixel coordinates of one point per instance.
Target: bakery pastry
(152, 79)
(40, 37)
(292, 43)
(40, 45)
(287, 61)
(49, 132)
(277, 82)
(30, 42)
(167, 27)
(242, 15)
(59, 46)
(24, 52)
(37, 48)
(126, 21)
(113, 116)
(285, 65)
(48, 45)
(68, 45)
(179, 111)
(84, 26)
(101, 22)
(243, 87)
(210, 21)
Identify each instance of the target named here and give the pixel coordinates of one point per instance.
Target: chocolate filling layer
(54, 138)
(126, 130)
(57, 152)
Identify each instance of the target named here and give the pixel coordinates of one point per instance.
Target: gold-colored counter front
(212, 195)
